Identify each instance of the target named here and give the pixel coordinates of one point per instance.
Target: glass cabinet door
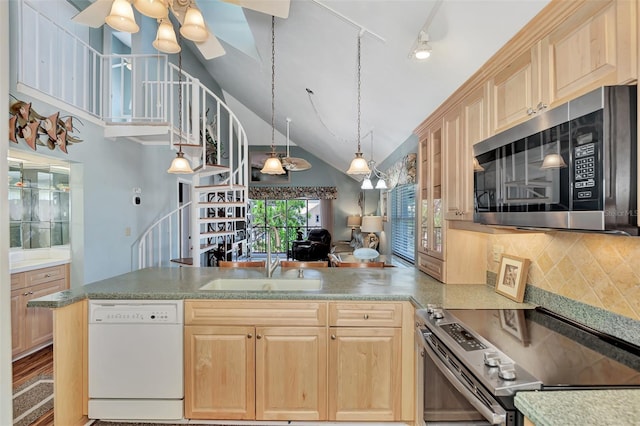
(431, 206)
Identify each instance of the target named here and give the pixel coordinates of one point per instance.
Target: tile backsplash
(596, 269)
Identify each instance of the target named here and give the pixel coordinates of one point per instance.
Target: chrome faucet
(270, 266)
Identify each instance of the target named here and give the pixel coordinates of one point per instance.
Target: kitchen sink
(263, 284)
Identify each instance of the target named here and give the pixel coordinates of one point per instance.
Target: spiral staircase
(147, 98)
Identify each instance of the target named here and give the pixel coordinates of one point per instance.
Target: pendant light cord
(273, 83)
(180, 94)
(359, 83)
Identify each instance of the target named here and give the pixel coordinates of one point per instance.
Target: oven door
(448, 397)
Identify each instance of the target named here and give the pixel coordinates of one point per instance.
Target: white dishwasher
(136, 359)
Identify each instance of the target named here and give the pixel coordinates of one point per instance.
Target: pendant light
(152, 8)
(166, 37)
(121, 17)
(193, 26)
(180, 165)
(273, 166)
(359, 164)
(366, 183)
(294, 164)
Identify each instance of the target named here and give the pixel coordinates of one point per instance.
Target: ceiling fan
(294, 164)
(210, 47)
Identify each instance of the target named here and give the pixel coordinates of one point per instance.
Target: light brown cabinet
(365, 361)
(254, 360)
(32, 328)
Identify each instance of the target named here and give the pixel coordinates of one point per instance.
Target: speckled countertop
(337, 283)
(584, 408)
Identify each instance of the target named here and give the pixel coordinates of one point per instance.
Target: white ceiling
(316, 49)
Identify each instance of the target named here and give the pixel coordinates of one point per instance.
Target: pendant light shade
(366, 184)
(359, 166)
(121, 17)
(152, 8)
(476, 165)
(180, 165)
(553, 161)
(166, 38)
(193, 26)
(381, 184)
(273, 166)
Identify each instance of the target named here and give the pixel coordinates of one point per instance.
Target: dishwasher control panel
(116, 312)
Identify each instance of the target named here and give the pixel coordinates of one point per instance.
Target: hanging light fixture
(193, 26)
(273, 166)
(366, 183)
(359, 164)
(423, 49)
(294, 164)
(121, 17)
(166, 37)
(180, 165)
(152, 8)
(553, 160)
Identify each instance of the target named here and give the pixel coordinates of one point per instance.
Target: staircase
(152, 100)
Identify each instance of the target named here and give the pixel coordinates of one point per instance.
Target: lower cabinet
(298, 360)
(32, 328)
(263, 370)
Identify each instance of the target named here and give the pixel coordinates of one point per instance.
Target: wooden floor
(40, 362)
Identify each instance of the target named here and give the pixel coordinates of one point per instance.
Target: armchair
(315, 247)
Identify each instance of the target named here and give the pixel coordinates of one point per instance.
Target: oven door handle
(495, 415)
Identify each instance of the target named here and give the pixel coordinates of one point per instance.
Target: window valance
(403, 172)
(292, 192)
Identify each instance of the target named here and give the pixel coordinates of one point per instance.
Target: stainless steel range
(476, 360)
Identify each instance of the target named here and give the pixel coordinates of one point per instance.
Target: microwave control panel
(586, 146)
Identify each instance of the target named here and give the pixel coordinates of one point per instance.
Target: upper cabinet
(593, 47)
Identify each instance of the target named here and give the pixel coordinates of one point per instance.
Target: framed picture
(513, 322)
(512, 277)
(256, 162)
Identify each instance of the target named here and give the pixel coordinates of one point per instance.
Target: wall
(595, 269)
(322, 174)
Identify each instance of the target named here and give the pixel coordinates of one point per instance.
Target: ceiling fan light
(359, 166)
(180, 165)
(152, 8)
(121, 17)
(381, 184)
(366, 184)
(166, 38)
(273, 166)
(193, 27)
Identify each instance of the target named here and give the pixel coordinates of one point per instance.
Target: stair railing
(161, 241)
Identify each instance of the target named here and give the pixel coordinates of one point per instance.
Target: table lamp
(353, 222)
(371, 224)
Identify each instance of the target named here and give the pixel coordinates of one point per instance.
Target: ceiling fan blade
(294, 164)
(93, 16)
(211, 47)
(279, 8)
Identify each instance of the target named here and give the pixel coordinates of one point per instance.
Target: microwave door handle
(497, 416)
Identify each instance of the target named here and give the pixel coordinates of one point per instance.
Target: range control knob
(438, 313)
(431, 307)
(491, 358)
(507, 371)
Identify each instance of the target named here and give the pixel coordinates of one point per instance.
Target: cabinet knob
(366, 316)
(258, 336)
(423, 353)
(25, 293)
(530, 111)
(30, 292)
(249, 336)
(541, 106)
(333, 337)
(47, 275)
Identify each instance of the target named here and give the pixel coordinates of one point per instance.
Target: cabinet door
(591, 49)
(456, 167)
(516, 91)
(18, 318)
(219, 372)
(364, 374)
(39, 321)
(432, 209)
(291, 373)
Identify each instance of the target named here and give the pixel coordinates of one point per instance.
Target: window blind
(403, 221)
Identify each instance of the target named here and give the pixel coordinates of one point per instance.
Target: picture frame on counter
(512, 277)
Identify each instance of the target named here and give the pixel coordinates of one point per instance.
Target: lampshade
(273, 166)
(553, 161)
(193, 27)
(354, 221)
(371, 224)
(359, 166)
(381, 184)
(366, 184)
(166, 38)
(180, 165)
(476, 165)
(152, 8)
(121, 17)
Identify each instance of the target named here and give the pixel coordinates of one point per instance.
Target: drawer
(45, 275)
(18, 281)
(370, 314)
(254, 312)
(431, 266)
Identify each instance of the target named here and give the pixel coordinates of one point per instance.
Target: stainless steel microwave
(573, 167)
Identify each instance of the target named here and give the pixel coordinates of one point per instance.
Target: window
(403, 220)
(292, 220)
